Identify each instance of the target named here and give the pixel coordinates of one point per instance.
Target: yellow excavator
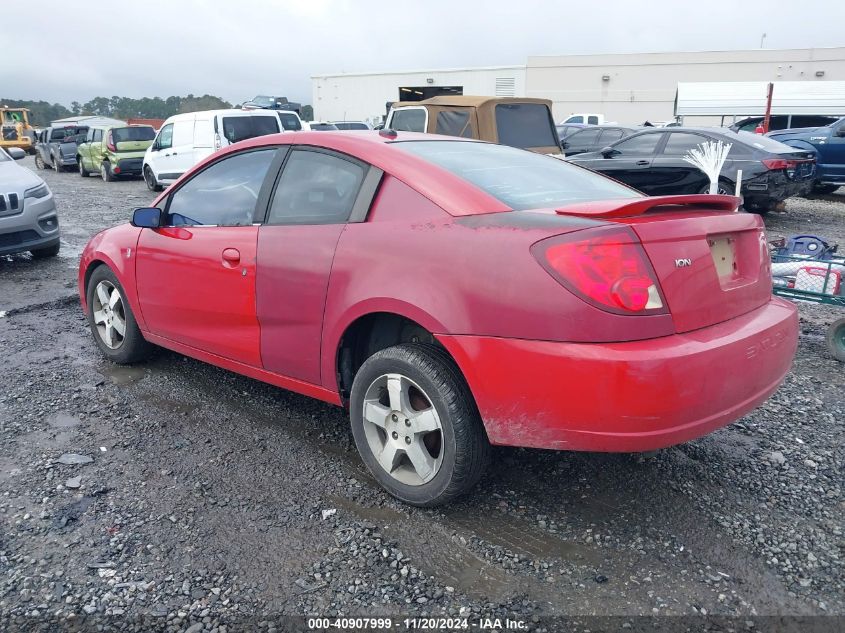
(15, 130)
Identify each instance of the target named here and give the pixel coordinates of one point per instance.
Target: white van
(186, 139)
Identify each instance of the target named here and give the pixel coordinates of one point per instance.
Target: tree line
(42, 113)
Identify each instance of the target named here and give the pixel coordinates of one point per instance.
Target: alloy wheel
(109, 314)
(403, 429)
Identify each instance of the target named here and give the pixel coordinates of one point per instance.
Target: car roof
(467, 101)
(451, 193)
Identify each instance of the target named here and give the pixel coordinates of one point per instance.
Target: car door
(96, 151)
(832, 154)
(630, 160)
(196, 275)
(670, 173)
(84, 150)
(318, 192)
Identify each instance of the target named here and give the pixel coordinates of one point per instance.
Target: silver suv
(28, 219)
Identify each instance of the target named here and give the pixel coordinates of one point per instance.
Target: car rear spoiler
(638, 206)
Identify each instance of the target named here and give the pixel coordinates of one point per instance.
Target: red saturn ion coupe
(453, 294)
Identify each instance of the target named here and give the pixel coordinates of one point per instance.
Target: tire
(836, 340)
(150, 179)
(39, 162)
(57, 166)
(130, 347)
(824, 190)
(82, 171)
(424, 375)
(726, 188)
(105, 172)
(42, 253)
(760, 208)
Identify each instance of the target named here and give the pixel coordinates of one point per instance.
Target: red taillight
(110, 143)
(778, 163)
(608, 268)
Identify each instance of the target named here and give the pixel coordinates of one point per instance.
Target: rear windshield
(349, 125)
(69, 133)
(140, 133)
(525, 125)
(290, 122)
(520, 179)
(239, 128)
(764, 143)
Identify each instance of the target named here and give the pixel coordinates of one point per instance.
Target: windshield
(525, 125)
(140, 133)
(264, 101)
(520, 179)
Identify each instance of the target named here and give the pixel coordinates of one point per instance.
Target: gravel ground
(192, 497)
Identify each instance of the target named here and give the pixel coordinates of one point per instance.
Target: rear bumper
(130, 166)
(627, 397)
(774, 186)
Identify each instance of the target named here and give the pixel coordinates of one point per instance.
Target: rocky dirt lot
(196, 499)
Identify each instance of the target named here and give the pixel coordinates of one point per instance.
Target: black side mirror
(607, 152)
(16, 153)
(147, 218)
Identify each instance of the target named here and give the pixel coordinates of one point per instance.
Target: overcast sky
(237, 49)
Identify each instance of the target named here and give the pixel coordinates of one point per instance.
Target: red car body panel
(546, 368)
(634, 396)
(196, 286)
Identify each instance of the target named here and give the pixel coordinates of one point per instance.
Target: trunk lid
(712, 265)
(132, 146)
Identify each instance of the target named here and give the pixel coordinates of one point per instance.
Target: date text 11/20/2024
(418, 624)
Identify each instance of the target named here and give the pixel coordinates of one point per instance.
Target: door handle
(642, 162)
(231, 257)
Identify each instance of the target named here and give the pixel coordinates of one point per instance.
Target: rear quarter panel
(470, 275)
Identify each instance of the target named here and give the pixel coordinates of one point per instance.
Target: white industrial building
(628, 88)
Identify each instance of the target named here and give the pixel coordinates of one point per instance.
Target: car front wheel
(416, 426)
(150, 179)
(111, 320)
(39, 162)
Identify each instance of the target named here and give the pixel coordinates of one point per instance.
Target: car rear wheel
(111, 320)
(105, 172)
(836, 340)
(825, 189)
(416, 426)
(82, 171)
(50, 251)
(150, 179)
(57, 165)
(725, 188)
(39, 162)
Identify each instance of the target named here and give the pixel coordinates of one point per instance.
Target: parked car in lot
(28, 218)
(514, 121)
(291, 122)
(567, 129)
(351, 125)
(453, 294)
(827, 144)
(323, 126)
(114, 151)
(591, 139)
(783, 122)
(56, 146)
(588, 118)
(652, 162)
(186, 139)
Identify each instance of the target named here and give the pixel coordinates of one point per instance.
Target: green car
(114, 151)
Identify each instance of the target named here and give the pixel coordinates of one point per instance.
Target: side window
(642, 145)
(610, 136)
(585, 138)
(316, 188)
(575, 119)
(593, 120)
(98, 136)
(90, 136)
(224, 194)
(456, 122)
(239, 128)
(165, 137)
(290, 122)
(680, 143)
(408, 120)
